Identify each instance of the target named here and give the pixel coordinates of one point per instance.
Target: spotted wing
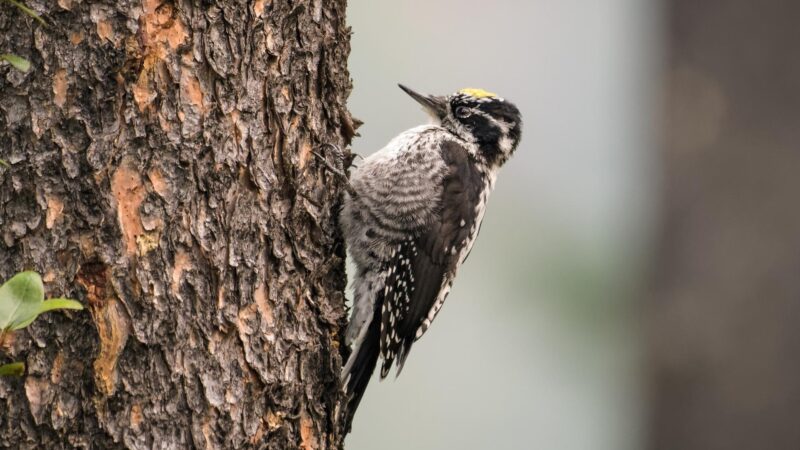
(422, 268)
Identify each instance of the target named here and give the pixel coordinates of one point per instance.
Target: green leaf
(5, 164)
(21, 298)
(59, 303)
(16, 369)
(18, 62)
(27, 11)
(50, 305)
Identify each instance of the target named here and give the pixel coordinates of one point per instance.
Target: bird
(410, 217)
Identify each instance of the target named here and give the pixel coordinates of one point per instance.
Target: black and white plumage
(411, 219)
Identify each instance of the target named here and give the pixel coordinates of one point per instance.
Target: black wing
(420, 273)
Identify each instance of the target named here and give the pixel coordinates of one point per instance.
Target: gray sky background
(537, 345)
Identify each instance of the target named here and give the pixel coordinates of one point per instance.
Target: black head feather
(493, 122)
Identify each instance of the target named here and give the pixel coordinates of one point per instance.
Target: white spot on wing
(447, 282)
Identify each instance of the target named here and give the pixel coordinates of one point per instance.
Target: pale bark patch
(58, 367)
(260, 297)
(126, 186)
(136, 416)
(182, 264)
(55, 210)
(104, 30)
(160, 185)
(60, 86)
(191, 91)
(113, 329)
(162, 31)
(37, 391)
(308, 434)
(161, 26)
(110, 319)
(305, 153)
(76, 37)
(258, 7)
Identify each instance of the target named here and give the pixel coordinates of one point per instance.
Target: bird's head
(477, 116)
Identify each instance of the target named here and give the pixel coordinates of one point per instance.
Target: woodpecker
(410, 218)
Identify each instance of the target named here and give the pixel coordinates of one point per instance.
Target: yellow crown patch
(477, 93)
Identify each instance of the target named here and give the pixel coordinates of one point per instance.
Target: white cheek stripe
(506, 144)
(504, 127)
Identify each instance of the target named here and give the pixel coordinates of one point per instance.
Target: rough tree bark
(162, 173)
(725, 320)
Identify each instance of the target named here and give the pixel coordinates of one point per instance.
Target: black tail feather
(362, 368)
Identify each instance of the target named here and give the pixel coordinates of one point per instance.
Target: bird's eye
(462, 112)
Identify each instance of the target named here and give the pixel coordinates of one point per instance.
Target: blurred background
(537, 346)
(635, 284)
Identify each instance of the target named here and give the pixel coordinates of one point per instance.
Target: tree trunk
(726, 316)
(162, 173)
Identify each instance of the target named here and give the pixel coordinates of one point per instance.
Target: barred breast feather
(412, 221)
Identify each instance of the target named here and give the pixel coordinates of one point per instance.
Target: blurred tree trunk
(162, 173)
(726, 317)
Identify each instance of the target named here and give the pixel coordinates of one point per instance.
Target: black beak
(434, 105)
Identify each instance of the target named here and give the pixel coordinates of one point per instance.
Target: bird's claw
(338, 171)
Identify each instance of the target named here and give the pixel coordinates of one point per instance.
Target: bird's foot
(339, 168)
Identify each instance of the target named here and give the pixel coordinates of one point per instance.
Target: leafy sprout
(27, 11)
(22, 297)
(17, 62)
(21, 302)
(15, 369)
